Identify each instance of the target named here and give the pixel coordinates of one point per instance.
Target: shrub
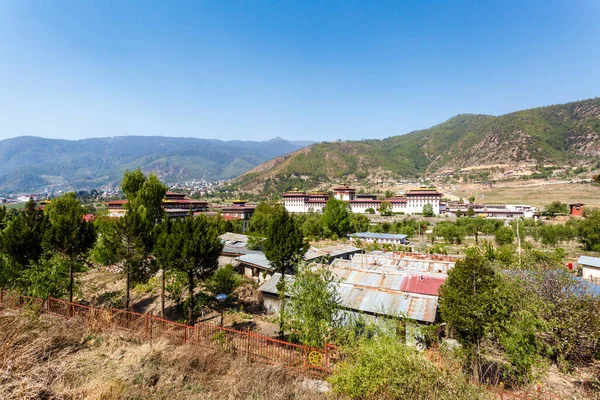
(504, 235)
(383, 367)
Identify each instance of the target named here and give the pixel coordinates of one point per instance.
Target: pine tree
(284, 247)
(192, 246)
(68, 234)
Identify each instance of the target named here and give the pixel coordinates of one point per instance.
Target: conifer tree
(68, 234)
(284, 247)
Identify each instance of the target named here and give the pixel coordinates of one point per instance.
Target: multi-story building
(174, 204)
(411, 203)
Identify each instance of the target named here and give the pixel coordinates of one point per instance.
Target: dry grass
(538, 194)
(49, 358)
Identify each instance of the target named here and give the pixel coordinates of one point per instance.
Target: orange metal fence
(248, 344)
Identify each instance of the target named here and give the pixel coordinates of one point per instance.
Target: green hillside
(34, 164)
(559, 134)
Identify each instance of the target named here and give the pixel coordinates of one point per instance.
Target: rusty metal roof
(374, 301)
(422, 284)
(330, 251)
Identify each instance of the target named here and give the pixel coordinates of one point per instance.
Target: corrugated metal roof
(270, 286)
(378, 235)
(401, 262)
(590, 261)
(375, 300)
(257, 259)
(330, 251)
(422, 284)
(234, 237)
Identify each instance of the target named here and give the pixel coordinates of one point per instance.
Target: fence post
(150, 318)
(248, 344)
(20, 301)
(326, 355)
(1, 295)
(185, 334)
(304, 358)
(198, 332)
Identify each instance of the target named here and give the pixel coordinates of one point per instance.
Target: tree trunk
(71, 281)
(476, 237)
(191, 301)
(281, 308)
(162, 295)
(127, 283)
(475, 362)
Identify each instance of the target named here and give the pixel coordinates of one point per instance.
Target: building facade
(412, 202)
(174, 204)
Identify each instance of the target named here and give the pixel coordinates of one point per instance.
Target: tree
(336, 217)
(385, 208)
(471, 303)
(132, 244)
(193, 247)
(144, 194)
(504, 235)
(471, 199)
(224, 281)
(22, 238)
(589, 231)
(470, 212)
(556, 207)
(131, 238)
(428, 210)
(261, 218)
(458, 213)
(68, 233)
(472, 230)
(313, 309)
(359, 223)
(284, 247)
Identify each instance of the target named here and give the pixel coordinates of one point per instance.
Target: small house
(590, 268)
(576, 210)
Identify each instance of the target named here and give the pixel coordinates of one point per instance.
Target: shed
(590, 268)
(576, 209)
(255, 265)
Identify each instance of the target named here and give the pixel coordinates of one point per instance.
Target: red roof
(116, 202)
(89, 217)
(295, 194)
(422, 284)
(419, 192)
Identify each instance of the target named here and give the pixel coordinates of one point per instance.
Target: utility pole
(519, 241)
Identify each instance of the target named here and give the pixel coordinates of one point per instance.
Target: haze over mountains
(31, 163)
(565, 134)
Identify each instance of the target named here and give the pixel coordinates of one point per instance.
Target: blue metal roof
(378, 235)
(591, 261)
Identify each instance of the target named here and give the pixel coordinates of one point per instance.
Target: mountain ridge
(561, 134)
(31, 163)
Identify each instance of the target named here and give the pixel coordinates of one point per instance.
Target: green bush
(383, 367)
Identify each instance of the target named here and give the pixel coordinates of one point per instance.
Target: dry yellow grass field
(539, 194)
(49, 358)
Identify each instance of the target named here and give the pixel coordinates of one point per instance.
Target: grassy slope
(50, 358)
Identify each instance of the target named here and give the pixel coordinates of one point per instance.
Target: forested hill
(32, 163)
(558, 134)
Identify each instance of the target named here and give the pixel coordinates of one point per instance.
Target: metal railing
(147, 326)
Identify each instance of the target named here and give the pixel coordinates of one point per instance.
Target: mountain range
(31, 163)
(566, 134)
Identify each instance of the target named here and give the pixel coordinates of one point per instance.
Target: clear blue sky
(253, 70)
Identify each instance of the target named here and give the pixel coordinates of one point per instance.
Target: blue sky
(304, 70)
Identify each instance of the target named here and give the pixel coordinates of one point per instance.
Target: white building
(590, 268)
(411, 203)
